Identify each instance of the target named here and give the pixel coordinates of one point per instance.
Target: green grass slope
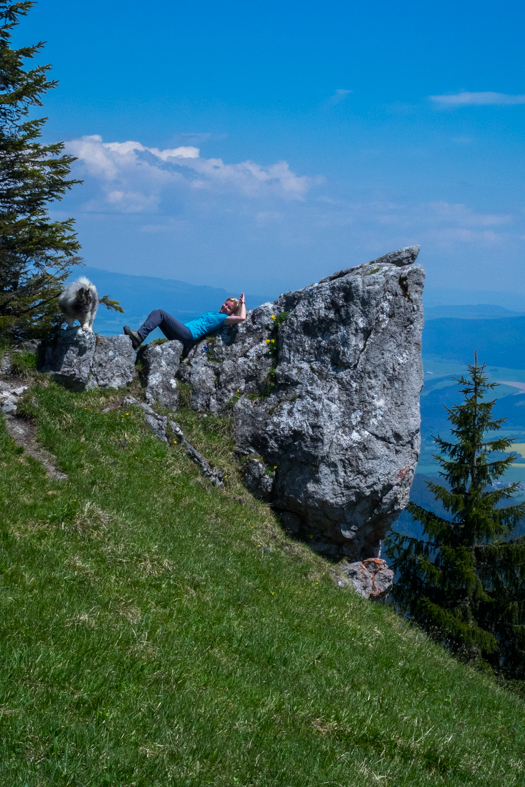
(159, 631)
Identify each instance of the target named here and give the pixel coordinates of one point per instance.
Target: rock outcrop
(324, 388)
(323, 385)
(370, 578)
(161, 362)
(82, 360)
(113, 363)
(9, 396)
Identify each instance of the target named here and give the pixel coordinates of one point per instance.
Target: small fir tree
(465, 582)
(36, 254)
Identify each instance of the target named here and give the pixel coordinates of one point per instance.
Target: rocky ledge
(323, 386)
(82, 360)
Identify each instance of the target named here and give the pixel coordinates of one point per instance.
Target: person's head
(231, 306)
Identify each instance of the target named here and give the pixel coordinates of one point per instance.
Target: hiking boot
(136, 341)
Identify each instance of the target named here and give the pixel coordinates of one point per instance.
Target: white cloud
(136, 178)
(172, 225)
(175, 199)
(132, 201)
(265, 217)
(464, 99)
(449, 236)
(437, 214)
(457, 213)
(339, 96)
(173, 153)
(438, 224)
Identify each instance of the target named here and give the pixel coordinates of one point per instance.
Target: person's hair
(236, 305)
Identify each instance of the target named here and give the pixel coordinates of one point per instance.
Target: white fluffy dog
(79, 301)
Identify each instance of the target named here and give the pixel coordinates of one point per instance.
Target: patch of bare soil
(24, 433)
(15, 381)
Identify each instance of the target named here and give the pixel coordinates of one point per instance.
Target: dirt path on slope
(23, 432)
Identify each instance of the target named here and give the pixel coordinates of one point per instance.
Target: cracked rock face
(161, 362)
(330, 397)
(257, 479)
(113, 363)
(82, 360)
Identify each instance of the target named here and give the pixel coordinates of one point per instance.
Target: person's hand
(242, 298)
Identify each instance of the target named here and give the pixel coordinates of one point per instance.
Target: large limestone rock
(69, 356)
(82, 360)
(113, 362)
(323, 385)
(161, 362)
(329, 397)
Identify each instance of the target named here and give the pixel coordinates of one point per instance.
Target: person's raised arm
(235, 319)
(242, 315)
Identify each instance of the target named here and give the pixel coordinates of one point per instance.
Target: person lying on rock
(232, 312)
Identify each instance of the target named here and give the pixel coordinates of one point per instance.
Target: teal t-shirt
(206, 323)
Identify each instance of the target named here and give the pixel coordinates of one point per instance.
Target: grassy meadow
(159, 631)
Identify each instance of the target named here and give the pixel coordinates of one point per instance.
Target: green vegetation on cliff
(157, 630)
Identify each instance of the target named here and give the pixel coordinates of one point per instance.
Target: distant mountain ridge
(482, 311)
(446, 296)
(499, 342)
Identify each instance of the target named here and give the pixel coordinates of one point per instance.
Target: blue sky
(263, 146)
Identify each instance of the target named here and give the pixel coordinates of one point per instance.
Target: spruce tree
(36, 254)
(465, 581)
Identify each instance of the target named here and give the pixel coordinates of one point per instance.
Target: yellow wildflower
(267, 341)
(273, 316)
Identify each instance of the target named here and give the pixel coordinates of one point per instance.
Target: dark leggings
(170, 327)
